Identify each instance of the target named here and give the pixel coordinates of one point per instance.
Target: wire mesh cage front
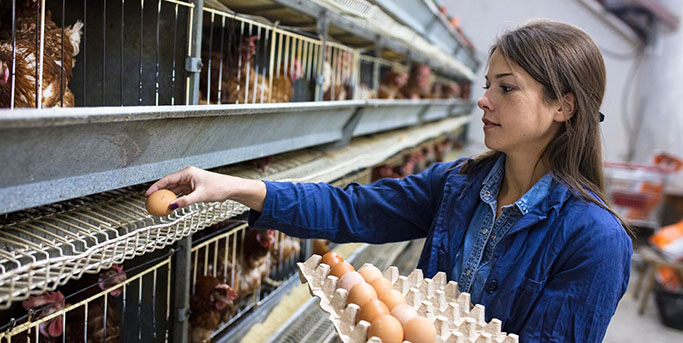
(118, 53)
(117, 304)
(94, 53)
(249, 61)
(248, 264)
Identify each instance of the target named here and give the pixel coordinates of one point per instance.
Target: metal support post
(183, 257)
(181, 290)
(379, 46)
(322, 27)
(193, 64)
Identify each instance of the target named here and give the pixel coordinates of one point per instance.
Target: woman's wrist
(251, 193)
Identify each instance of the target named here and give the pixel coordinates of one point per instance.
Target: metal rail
(45, 247)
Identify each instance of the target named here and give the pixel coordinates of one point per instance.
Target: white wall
(484, 20)
(659, 115)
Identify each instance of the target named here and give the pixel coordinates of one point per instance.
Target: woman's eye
(486, 87)
(506, 89)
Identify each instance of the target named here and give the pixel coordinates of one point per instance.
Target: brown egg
(331, 259)
(157, 202)
(371, 310)
(370, 273)
(404, 313)
(381, 286)
(387, 328)
(420, 330)
(361, 294)
(341, 268)
(392, 298)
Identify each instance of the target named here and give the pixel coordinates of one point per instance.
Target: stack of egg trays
(456, 321)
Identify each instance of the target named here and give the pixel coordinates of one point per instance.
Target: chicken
(96, 321)
(450, 90)
(390, 85)
(320, 246)
(285, 250)
(46, 304)
(245, 273)
(210, 299)
(282, 89)
(418, 85)
(242, 82)
(364, 92)
(254, 264)
(384, 171)
(219, 69)
(430, 156)
(56, 66)
(231, 73)
(262, 164)
(334, 87)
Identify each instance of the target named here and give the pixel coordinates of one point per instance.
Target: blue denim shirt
(556, 275)
(485, 230)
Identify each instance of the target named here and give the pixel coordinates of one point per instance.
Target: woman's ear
(566, 109)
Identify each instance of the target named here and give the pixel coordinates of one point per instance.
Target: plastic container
(635, 191)
(669, 306)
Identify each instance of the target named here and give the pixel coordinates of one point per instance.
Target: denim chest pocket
(531, 286)
(529, 291)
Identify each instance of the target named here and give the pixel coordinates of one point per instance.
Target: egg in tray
(375, 307)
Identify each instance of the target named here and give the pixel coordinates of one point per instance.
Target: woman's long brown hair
(564, 59)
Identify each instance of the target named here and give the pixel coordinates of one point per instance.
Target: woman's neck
(521, 173)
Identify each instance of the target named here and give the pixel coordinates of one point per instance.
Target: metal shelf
(45, 247)
(423, 17)
(62, 154)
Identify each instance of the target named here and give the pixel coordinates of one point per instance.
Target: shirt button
(467, 271)
(485, 231)
(492, 286)
(487, 193)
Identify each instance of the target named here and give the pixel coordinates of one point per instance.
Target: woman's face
(516, 118)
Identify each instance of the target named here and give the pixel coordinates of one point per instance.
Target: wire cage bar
(245, 59)
(103, 53)
(112, 306)
(250, 61)
(45, 251)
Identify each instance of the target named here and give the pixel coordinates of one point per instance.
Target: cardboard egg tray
(456, 321)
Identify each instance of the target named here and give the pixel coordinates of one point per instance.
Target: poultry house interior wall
(487, 19)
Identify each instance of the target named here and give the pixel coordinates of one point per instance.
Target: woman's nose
(484, 103)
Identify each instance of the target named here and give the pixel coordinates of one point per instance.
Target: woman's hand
(198, 185)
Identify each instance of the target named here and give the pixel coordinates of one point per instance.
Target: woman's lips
(489, 124)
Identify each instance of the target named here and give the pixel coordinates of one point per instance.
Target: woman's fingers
(187, 200)
(177, 178)
(180, 189)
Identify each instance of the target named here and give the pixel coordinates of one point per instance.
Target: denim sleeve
(389, 210)
(577, 303)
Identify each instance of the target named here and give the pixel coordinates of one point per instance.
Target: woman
(523, 228)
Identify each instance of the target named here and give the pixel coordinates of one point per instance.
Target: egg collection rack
(450, 310)
(45, 247)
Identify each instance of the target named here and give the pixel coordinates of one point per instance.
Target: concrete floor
(628, 327)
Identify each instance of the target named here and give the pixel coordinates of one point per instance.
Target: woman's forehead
(499, 67)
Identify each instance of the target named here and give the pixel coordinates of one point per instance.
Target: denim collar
(531, 199)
